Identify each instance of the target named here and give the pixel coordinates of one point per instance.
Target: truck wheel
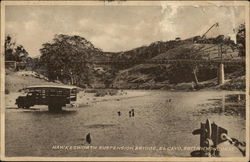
(19, 106)
(26, 107)
(58, 108)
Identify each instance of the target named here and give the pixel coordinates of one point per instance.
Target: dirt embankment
(14, 81)
(234, 84)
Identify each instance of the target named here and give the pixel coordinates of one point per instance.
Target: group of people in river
(131, 113)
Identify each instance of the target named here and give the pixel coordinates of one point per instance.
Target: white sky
(116, 28)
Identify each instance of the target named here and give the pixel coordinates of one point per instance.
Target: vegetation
(69, 57)
(14, 52)
(241, 39)
(102, 92)
(145, 52)
(7, 91)
(238, 83)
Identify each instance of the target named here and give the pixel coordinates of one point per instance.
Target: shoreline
(87, 99)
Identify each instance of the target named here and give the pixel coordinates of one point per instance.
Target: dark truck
(54, 96)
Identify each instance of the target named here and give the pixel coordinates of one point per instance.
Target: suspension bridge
(238, 62)
(220, 63)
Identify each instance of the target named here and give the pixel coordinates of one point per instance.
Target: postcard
(125, 80)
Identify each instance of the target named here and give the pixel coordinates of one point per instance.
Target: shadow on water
(228, 105)
(235, 97)
(44, 112)
(100, 125)
(12, 108)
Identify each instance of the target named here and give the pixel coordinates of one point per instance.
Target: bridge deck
(164, 61)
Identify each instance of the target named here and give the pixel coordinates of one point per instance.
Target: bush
(113, 92)
(7, 91)
(101, 93)
(104, 92)
(235, 84)
(91, 91)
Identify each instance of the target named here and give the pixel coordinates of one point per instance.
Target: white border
(126, 3)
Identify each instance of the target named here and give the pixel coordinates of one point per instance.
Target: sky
(116, 28)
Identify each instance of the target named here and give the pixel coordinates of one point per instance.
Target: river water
(162, 125)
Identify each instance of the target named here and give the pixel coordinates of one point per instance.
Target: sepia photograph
(125, 80)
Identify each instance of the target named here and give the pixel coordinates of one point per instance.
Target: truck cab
(26, 101)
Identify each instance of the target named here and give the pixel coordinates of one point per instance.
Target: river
(163, 122)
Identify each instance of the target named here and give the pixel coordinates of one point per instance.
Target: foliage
(69, 57)
(145, 52)
(235, 84)
(104, 92)
(101, 93)
(14, 52)
(241, 38)
(7, 91)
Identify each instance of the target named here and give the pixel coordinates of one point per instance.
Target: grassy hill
(205, 51)
(169, 75)
(143, 76)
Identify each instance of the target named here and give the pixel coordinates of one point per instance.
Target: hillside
(204, 51)
(169, 75)
(15, 81)
(69, 65)
(144, 52)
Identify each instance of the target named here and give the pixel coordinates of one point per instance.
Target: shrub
(235, 84)
(7, 91)
(104, 92)
(113, 92)
(91, 91)
(101, 93)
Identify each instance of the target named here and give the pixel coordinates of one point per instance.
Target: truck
(55, 97)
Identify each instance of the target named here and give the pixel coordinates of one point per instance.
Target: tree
(241, 38)
(14, 52)
(9, 48)
(69, 57)
(20, 53)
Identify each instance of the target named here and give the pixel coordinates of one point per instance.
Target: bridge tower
(220, 71)
(220, 74)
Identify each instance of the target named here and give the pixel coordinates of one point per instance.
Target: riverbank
(230, 84)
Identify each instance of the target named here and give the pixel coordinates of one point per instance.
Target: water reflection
(100, 125)
(39, 112)
(226, 104)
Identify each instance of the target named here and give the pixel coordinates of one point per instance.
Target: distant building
(15, 66)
